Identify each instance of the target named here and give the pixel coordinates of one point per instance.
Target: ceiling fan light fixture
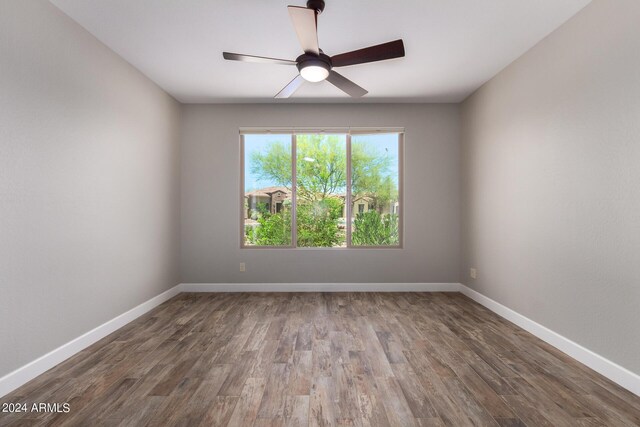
(314, 73)
(314, 68)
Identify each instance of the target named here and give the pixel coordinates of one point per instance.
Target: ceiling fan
(314, 65)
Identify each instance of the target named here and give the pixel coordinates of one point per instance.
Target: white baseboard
(605, 367)
(320, 287)
(26, 373)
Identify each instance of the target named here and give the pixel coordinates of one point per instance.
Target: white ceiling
(452, 46)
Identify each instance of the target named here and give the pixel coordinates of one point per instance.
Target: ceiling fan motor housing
(311, 60)
(317, 5)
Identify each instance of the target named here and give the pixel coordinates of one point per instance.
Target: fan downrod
(317, 5)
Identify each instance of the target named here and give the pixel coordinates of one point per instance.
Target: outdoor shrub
(374, 229)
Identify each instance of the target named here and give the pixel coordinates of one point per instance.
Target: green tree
(369, 169)
(321, 167)
(274, 165)
(385, 194)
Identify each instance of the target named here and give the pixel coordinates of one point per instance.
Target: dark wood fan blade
(304, 21)
(346, 85)
(290, 88)
(260, 59)
(390, 50)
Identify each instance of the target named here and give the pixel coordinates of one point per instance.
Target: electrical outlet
(242, 267)
(473, 273)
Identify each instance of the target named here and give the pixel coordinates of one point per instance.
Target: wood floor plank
(432, 383)
(275, 391)
(287, 342)
(339, 347)
(541, 402)
(323, 359)
(374, 352)
(296, 411)
(220, 411)
(414, 393)
(246, 410)
(173, 378)
(173, 407)
(240, 372)
(301, 374)
(305, 332)
(370, 398)
(526, 412)
(484, 394)
(467, 404)
(430, 422)
(199, 402)
(345, 394)
(396, 406)
(322, 411)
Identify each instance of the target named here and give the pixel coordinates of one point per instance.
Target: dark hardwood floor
(361, 359)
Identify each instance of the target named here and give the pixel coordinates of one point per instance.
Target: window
(321, 189)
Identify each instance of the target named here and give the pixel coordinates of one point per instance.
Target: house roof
(267, 192)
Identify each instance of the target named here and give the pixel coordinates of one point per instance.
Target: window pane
(374, 190)
(321, 172)
(267, 190)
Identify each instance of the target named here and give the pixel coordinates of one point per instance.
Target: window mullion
(401, 189)
(294, 185)
(242, 178)
(347, 200)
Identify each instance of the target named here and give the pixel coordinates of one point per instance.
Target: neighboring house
(362, 204)
(271, 198)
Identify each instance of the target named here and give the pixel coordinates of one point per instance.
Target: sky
(385, 143)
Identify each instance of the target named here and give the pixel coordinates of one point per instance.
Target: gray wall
(89, 193)
(552, 182)
(210, 175)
